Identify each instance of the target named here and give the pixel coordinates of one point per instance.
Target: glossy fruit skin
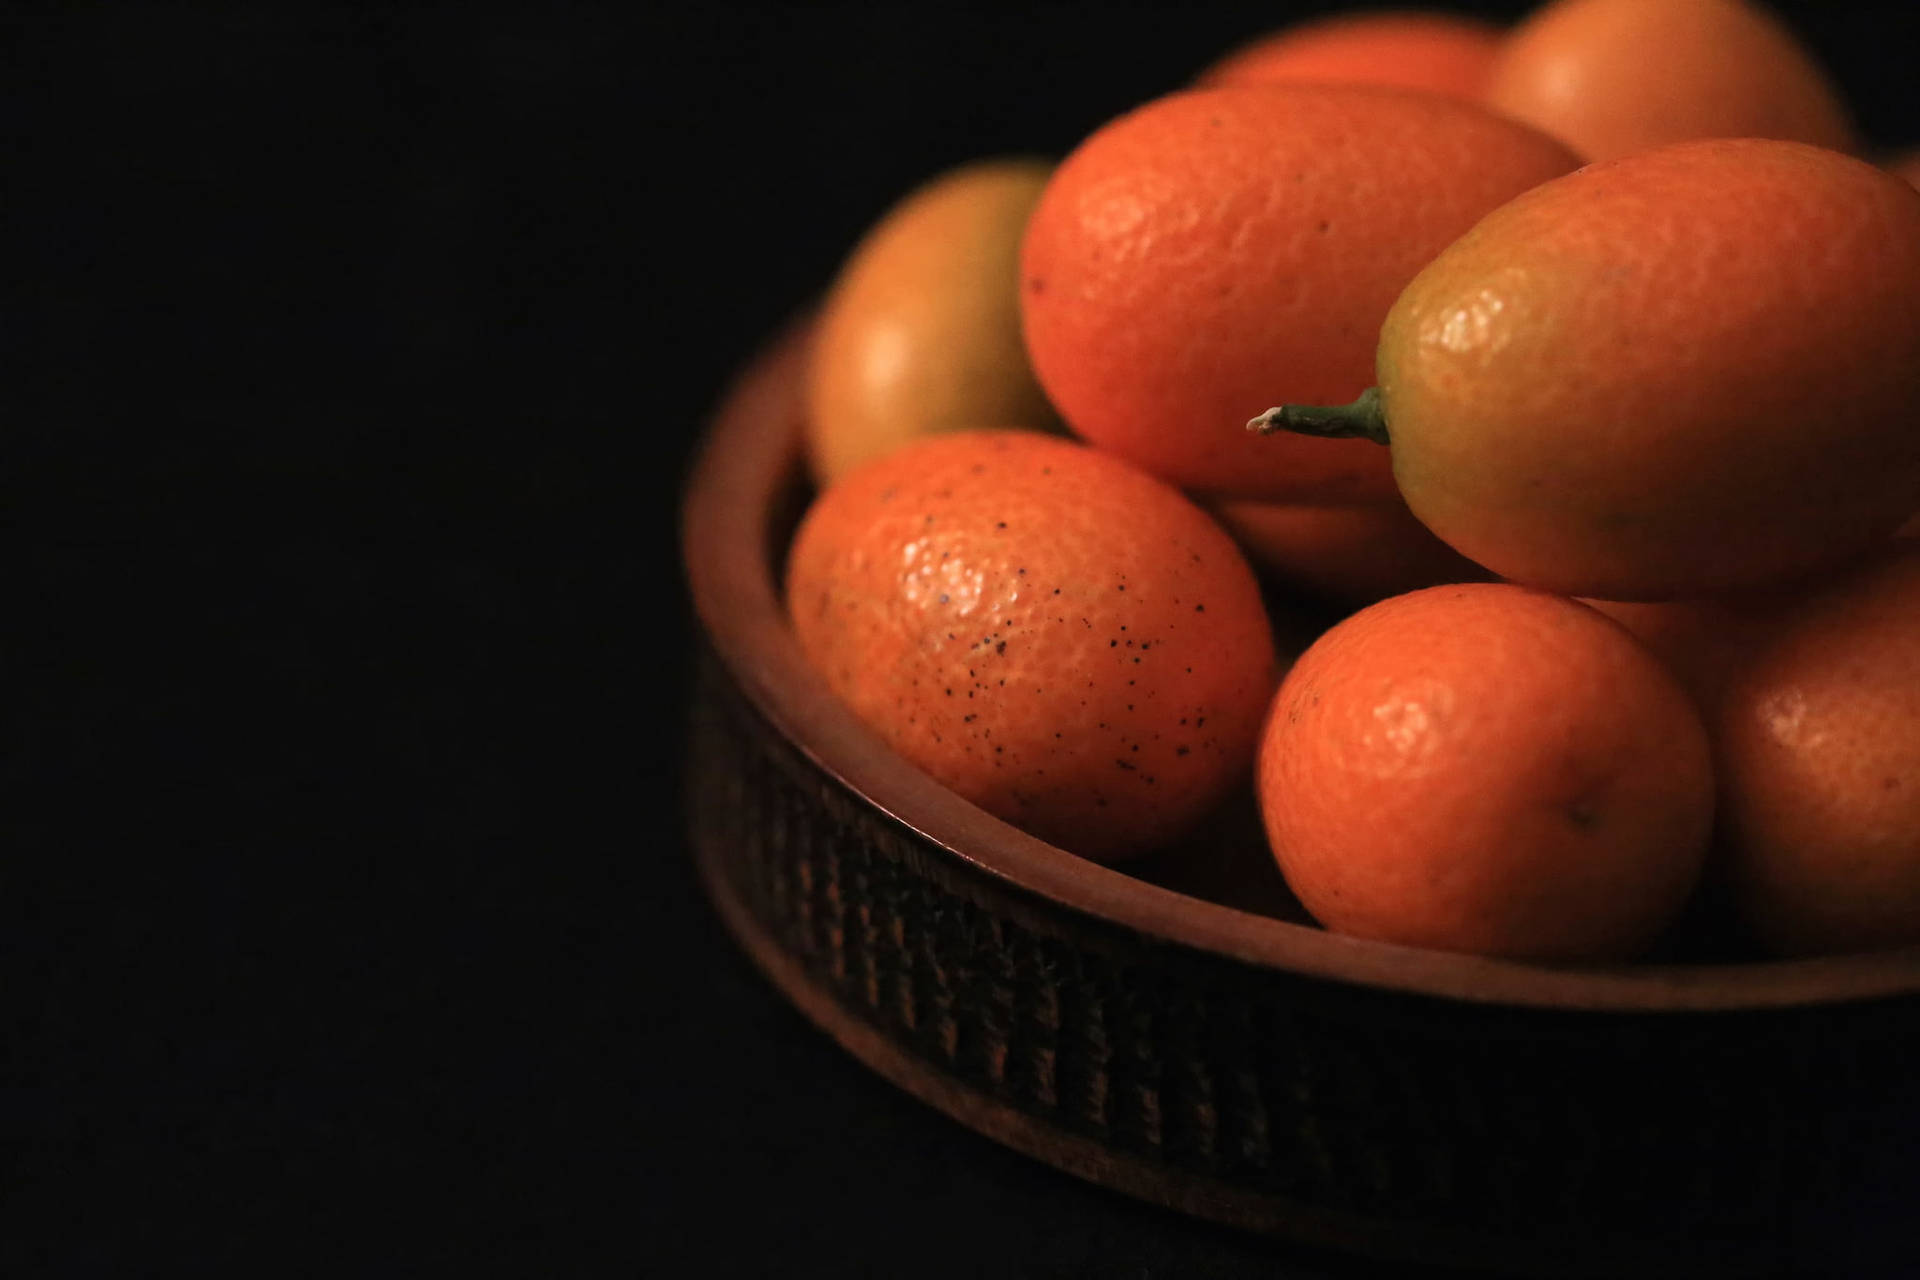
(1354, 554)
(920, 332)
(1817, 742)
(1059, 637)
(1403, 49)
(1681, 373)
(1488, 769)
(1612, 77)
(1212, 250)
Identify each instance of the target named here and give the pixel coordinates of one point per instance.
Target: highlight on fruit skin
(1613, 77)
(1489, 769)
(1050, 632)
(1190, 253)
(919, 333)
(1685, 372)
(1395, 48)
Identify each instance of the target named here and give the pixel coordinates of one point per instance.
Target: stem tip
(1364, 419)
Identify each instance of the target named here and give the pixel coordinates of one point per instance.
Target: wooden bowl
(1684, 1119)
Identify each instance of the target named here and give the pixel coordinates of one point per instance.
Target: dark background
(354, 363)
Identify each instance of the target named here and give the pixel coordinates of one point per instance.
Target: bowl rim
(750, 451)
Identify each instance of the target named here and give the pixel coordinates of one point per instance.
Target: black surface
(354, 365)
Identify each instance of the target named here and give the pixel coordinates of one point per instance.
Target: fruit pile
(1580, 362)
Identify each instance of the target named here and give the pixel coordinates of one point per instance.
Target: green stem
(1364, 419)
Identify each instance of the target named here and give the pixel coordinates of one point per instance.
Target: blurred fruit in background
(1397, 48)
(920, 332)
(1612, 77)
